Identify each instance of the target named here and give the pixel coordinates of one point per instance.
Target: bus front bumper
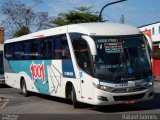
(2, 80)
(107, 98)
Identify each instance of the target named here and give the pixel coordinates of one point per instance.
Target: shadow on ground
(47, 97)
(4, 86)
(140, 106)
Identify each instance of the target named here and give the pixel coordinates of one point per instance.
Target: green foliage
(22, 31)
(80, 15)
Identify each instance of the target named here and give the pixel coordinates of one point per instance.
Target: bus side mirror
(91, 44)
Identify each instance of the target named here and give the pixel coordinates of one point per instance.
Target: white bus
(1, 64)
(94, 63)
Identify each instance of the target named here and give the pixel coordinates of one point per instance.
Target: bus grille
(128, 97)
(126, 90)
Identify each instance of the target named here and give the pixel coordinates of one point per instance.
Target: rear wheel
(74, 98)
(24, 89)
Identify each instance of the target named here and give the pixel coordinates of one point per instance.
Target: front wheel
(74, 99)
(24, 89)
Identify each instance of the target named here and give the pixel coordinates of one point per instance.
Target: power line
(109, 17)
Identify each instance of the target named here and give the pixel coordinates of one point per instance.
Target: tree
(21, 31)
(79, 15)
(19, 16)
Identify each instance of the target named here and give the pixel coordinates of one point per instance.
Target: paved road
(15, 103)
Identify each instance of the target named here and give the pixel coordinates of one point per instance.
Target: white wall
(156, 35)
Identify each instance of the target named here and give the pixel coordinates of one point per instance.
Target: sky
(136, 12)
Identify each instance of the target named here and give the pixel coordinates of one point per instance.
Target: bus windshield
(121, 58)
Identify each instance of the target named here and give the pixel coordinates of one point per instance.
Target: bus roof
(99, 29)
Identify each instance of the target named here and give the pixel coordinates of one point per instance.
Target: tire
(74, 99)
(24, 89)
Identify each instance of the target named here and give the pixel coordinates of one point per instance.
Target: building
(1, 35)
(152, 30)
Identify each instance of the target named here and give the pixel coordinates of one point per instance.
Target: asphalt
(40, 107)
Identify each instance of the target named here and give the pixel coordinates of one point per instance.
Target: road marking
(4, 104)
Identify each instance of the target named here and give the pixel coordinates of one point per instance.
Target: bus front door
(86, 88)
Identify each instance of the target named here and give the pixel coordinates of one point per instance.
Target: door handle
(82, 81)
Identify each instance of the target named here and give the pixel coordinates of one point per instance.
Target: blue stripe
(67, 69)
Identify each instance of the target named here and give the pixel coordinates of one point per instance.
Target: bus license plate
(128, 101)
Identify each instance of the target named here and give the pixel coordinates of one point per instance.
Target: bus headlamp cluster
(150, 83)
(103, 87)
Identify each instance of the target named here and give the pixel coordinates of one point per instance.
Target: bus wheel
(74, 98)
(24, 89)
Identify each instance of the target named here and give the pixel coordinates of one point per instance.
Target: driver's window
(82, 53)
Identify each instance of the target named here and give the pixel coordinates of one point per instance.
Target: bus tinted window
(26, 51)
(58, 47)
(8, 51)
(46, 48)
(17, 51)
(34, 50)
(55, 47)
(61, 48)
(65, 48)
(81, 51)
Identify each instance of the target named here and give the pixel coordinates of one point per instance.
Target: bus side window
(52, 50)
(26, 51)
(58, 47)
(43, 52)
(51, 47)
(39, 49)
(17, 53)
(65, 48)
(8, 51)
(34, 50)
(13, 51)
(48, 49)
(61, 48)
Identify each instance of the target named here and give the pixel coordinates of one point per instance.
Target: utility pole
(100, 14)
(122, 19)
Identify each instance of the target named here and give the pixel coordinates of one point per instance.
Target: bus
(93, 63)
(1, 64)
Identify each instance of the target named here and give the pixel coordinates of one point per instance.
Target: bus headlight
(151, 83)
(103, 87)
